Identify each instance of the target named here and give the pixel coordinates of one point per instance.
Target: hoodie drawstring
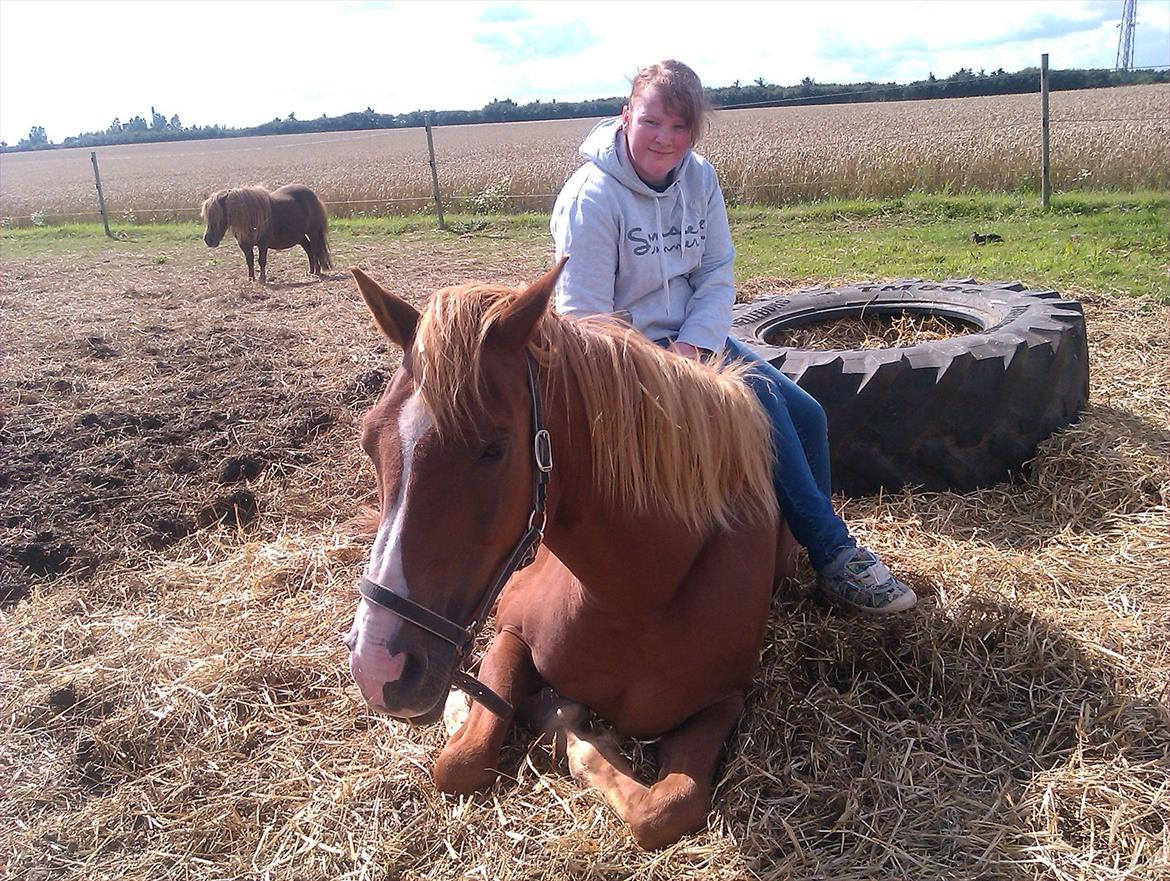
(682, 235)
(661, 258)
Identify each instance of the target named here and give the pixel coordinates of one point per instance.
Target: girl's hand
(686, 350)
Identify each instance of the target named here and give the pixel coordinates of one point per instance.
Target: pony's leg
(263, 264)
(678, 803)
(468, 761)
(308, 246)
(247, 249)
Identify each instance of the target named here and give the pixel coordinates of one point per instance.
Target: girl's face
(657, 138)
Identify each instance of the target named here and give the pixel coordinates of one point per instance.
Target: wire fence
(794, 186)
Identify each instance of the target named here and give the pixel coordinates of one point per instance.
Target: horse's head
(213, 212)
(451, 440)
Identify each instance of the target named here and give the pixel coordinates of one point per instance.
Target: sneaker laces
(871, 573)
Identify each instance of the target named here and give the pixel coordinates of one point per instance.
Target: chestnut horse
(284, 218)
(648, 478)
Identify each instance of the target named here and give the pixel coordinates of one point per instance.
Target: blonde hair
(246, 211)
(680, 88)
(666, 433)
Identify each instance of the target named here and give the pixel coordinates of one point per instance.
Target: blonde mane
(666, 434)
(249, 212)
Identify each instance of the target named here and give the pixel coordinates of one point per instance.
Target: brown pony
(290, 216)
(648, 477)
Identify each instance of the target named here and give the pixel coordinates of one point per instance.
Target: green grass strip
(1113, 243)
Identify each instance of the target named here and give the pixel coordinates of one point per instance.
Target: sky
(73, 67)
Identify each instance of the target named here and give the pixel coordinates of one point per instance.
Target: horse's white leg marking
(374, 628)
(595, 760)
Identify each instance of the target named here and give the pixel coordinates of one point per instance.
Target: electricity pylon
(1125, 40)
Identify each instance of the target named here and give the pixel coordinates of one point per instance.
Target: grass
(1105, 242)
(506, 225)
(90, 238)
(1110, 243)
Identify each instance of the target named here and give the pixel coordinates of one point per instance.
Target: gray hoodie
(665, 258)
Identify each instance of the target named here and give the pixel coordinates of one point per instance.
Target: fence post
(434, 172)
(97, 179)
(1045, 176)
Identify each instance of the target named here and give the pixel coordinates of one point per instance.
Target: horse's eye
(492, 451)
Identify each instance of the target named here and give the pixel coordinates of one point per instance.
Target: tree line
(963, 83)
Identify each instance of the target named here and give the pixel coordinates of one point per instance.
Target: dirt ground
(179, 473)
(149, 396)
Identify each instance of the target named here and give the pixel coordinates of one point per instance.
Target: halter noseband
(522, 554)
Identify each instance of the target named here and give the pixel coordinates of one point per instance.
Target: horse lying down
(653, 544)
(284, 218)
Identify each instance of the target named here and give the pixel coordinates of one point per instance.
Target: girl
(647, 229)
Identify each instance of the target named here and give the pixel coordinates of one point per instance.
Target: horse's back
(296, 199)
(299, 193)
(296, 210)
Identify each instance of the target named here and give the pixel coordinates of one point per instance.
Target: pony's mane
(249, 212)
(666, 434)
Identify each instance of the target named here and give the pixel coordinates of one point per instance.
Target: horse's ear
(516, 325)
(395, 317)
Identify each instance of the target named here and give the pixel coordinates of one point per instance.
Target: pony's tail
(319, 241)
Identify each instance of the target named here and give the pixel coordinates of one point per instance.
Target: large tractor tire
(958, 413)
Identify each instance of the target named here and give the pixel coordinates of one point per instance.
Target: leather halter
(521, 555)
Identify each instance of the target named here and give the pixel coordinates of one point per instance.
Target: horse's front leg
(263, 263)
(678, 803)
(468, 761)
(247, 249)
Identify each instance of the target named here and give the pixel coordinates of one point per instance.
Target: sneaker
(864, 583)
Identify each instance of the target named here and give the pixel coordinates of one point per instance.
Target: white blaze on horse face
(375, 629)
(385, 566)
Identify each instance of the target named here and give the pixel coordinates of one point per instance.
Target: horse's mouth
(407, 681)
(421, 705)
(427, 717)
(430, 716)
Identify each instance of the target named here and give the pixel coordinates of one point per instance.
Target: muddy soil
(151, 396)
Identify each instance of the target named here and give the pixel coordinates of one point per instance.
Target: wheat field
(1100, 139)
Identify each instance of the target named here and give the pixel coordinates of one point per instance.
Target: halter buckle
(542, 449)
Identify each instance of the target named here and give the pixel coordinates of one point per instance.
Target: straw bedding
(180, 473)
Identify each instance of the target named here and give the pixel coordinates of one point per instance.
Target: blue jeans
(800, 433)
